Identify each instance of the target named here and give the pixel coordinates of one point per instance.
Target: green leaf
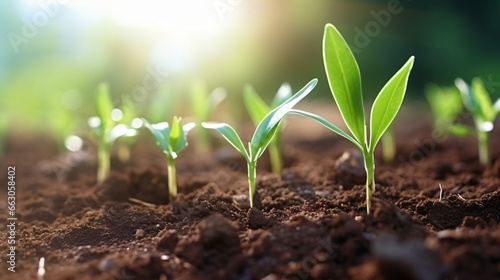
(284, 92)
(104, 107)
(230, 135)
(256, 107)
(482, 97)
(328, 125)
(461, 130)
(176, 134)
(345, 81)
(468, 99)
(268, 126)
(216, 97)
(119, 131)
(387, 104)
(200, 101)
(161, 133)
(446, 103)
(497, 105)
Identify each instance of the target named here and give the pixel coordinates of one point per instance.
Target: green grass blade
(482, 97)
(344, 79)
(328, 125)
(387, 104)
(284, 92)
(267, 127)
(256, 107)
(230, 135)
(104, 106)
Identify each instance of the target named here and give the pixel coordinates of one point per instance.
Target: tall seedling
(345, 83)
(258, 109)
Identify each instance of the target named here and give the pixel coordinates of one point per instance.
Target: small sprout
(345, 83)
(203, 107)
(389, 145)
(446, 106)
(262, 136)
(127, 115)
(477, 101)
(107, 131)
(171, 140)
(258, 109)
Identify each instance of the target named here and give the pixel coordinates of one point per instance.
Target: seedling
(477, 101)
(203, 107)
(127, 115)
(107, 130)
(446, 105)
(258, 109)
(262, 136)
(345, 83)
(388, 145)
(171, 140)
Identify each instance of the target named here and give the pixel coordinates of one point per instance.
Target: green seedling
(262, 136)
(389, 145)
(171, 140)
(477, 101)
(203, 107)
(127, 115)
(446, 106)
(258, 110)
(345, 83)
(107, 129)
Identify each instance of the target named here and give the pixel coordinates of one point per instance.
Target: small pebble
(139, 233)
(107, 264)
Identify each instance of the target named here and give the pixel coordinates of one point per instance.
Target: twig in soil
(135, 200)
(440, 192)
(459, 196)
(41, 269)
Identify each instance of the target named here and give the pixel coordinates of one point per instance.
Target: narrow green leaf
(468, 99)
(483, 99)
(267, 127)
(328, 125)
(230, 135)
(104, 106)
(284, 92)
(344, 80)
(256, 107)
(176, 134)
(461, 130)
(387, 104)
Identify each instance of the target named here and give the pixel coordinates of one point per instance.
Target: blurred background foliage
(54, 53)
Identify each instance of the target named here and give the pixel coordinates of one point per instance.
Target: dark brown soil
(310, 223)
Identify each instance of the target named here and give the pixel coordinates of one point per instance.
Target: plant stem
(123, 152)
(388, 145)
(172, 182)
(252, 174)
(275, 155)
(103, 158)
(483, 138)
(370, 178)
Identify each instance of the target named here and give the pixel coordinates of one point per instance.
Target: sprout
(446, 105)
(477, 101)
(258, 109)
(126, 115)
(203, 107)
(262, 136)
(171, 140)
(345, 83)
(107, 131)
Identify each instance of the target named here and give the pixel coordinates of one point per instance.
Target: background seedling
(258, 109)
(262, 136)
(203, 107)
(107, 130)
(345, 83)
(446, 106)
(477, 101)
(129, 118)
(388, 144)
(171, 140)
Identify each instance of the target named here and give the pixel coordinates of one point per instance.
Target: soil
(309, 222)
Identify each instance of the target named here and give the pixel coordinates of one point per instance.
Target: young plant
(107, 130)
(477, 101)
(345, 83)
(258, 109)
(446, 106)
(203, 107)
(388, 145)
(127, 115)
(171, 140)
(262, 136)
